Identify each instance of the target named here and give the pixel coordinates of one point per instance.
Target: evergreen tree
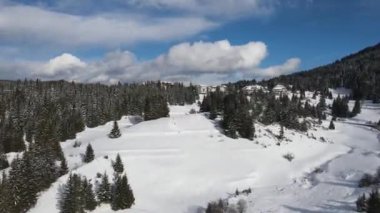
(322, 102)
(361, 204)
(357, 109)
(155, 107)
(331, 126)
(115, 132)
(3, 161)
(23, 188)
(229, 122)
(89, 195)
(63, 168)
(373, 202)
(281, 136)
(122, 195)
(89, 155)
(5, 194)
(213, 114)
(340, 107)
(118, 166)
(103, 191)
(70, 197)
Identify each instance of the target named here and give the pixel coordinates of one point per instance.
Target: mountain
(359, 71)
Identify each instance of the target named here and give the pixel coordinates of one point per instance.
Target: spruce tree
(122, 194)
(103, 191)
(89, 195)
(373, 202)
(322, 102)
(340, 107)
(115, 132)
(23, 185)
(357, 109)
(3, 161)
(63, 168)
(89, 155)
(118, 166)
(361, 204)
(5, 194)
(71, 196)
(212, 114)
(331, 126)
(281, 136)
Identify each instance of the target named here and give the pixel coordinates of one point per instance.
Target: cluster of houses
(277, 90)
(202, 89)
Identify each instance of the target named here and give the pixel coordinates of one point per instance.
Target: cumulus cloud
(66, 66)
(288, 67)
(218, 56)
(199, 62)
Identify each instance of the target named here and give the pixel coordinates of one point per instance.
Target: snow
(180, 163)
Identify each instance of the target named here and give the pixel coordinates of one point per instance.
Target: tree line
(29, 109)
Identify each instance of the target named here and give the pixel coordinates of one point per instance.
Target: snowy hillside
(180, 163)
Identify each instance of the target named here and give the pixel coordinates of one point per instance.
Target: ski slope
(180, 163)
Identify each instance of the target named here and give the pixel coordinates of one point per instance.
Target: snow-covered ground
(179, 163)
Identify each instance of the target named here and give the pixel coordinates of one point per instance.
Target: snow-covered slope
(179, 163)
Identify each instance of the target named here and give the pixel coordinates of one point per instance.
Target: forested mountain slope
(359, 72)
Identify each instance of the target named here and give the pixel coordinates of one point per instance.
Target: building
(253, 88)
(223, 88)
(206, 89)
(279, 89)
(202, 89)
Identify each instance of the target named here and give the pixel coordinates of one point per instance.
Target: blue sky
(202, 41)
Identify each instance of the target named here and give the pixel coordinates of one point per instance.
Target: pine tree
(213, 114)
(322, 102)
(373, 202)
(5, 196)
(340, 107)
(3, 161)
(63, 168)
(118, 166)
(357, 109)
(89, 155)
(281, 136)
(71, 196)
(122, 195)
(361, 204)
(331, 126)
(23, 188)
(115, 132)
(103, 191)
(89, 195)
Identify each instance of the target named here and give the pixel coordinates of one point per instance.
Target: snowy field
(179, 163)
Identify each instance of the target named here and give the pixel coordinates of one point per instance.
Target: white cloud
(290, 66)
(217, 56)
(31, 25)
(199, 62)
(65, 65)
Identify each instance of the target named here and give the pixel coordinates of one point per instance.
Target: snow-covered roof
(279, 87)
(253, 87)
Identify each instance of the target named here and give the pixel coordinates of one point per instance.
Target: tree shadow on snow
(349, 184)
(331, 206)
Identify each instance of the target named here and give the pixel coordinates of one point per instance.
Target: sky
(198, 41)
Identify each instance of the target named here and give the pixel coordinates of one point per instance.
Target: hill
(359, 71)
